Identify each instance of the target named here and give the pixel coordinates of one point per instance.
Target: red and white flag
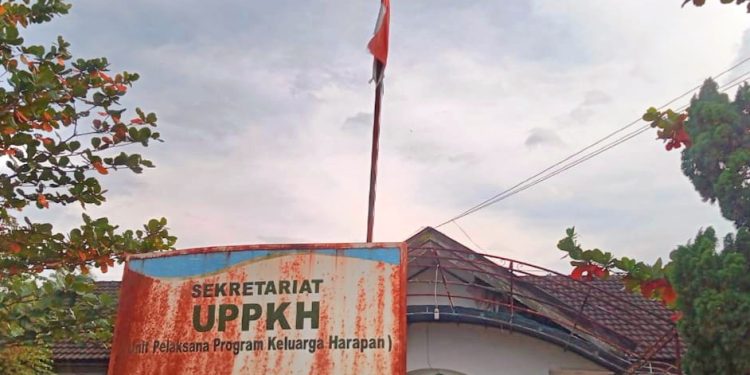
(378, 45)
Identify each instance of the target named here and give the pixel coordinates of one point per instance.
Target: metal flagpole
(375, 146)
(378, 46)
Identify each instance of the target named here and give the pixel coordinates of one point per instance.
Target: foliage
(25, 360)
(671, 127)
(718, 163)
(714, 290)
(47, 309)
(650, 280)
(700, 3)
(710, 291)
(62, 130)
(716, 134)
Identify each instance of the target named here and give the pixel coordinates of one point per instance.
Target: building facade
(479, 314)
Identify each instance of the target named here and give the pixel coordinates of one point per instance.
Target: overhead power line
(568, 162)
(606, 147)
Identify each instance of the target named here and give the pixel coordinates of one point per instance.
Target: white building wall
(476, 350)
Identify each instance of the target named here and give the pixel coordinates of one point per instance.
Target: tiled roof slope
(601, 310)
(69, 351)
(109, 287)
(643, 320)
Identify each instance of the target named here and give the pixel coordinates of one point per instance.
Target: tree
(715, 133)
(700, 3)
(718, 162)
(62, 130)
(714, 299)
(709, 290)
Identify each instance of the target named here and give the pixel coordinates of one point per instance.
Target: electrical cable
(520, 186)
(467, 236)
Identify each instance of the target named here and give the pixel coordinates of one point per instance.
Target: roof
(69, 351)
(109, 287)
(599, 312)
(645, 319)
(602, 312)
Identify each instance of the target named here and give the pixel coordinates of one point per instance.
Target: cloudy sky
(266, 111)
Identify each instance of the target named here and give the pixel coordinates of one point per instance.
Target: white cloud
(541, 137)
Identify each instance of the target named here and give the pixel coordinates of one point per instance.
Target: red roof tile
(68, 351)
(640, 320)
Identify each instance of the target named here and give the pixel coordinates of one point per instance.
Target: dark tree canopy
(718, 162)
(714, 298)
(700, 3)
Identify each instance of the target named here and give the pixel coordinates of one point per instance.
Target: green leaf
(37, 51)
(74, 145)
(570, 232)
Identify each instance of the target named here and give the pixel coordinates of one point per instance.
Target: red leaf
(42, 200)
(588, 272)
(20, 117)
(100, 168)
(104, 76)
(668, 295)
(14, 248)
(136, 121)
(577, 273)
(600, 272)
(649, 287)
(676, 316)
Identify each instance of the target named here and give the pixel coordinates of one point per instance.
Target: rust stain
(322, 359)
(379, 314)
(359, 325)
(260, 357)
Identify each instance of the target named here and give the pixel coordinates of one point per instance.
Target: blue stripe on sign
(189, 265)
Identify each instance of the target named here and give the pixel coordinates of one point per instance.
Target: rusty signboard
(264, 309)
